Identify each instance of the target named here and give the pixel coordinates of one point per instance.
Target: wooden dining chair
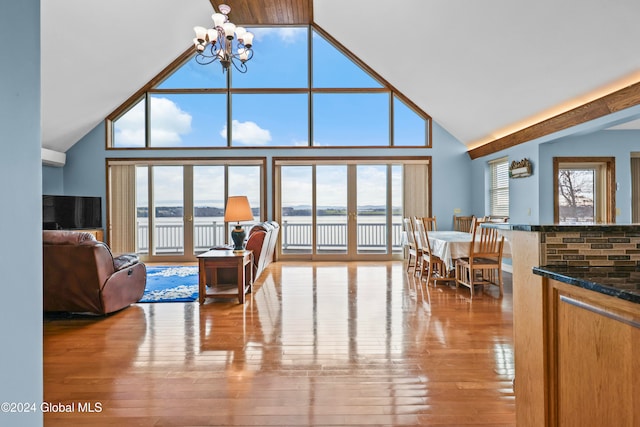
(475, 223)
(484, 265)
(463, 223)
(412, 247)
(429, 223)
(430, 267)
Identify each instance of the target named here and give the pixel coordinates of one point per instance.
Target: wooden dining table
(451, 245)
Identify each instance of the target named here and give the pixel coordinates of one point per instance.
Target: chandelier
(218, 44)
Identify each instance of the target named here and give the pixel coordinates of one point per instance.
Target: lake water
(337, 219)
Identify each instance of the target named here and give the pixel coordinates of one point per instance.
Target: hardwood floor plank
(315, 344)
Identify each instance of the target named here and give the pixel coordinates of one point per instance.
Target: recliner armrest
(125, 260)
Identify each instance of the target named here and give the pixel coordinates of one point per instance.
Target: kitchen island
(576, 305)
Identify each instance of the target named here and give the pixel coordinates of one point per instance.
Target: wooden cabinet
(528, 331)
(593, 350)
(577, 351)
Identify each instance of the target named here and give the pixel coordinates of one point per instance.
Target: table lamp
(237, 210)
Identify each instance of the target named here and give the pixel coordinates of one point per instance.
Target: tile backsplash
(591, 248)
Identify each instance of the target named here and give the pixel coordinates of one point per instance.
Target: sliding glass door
(209, 197)
(332, 209)
(178, 209)
(168, 218)
(371, 213)
(339, 210)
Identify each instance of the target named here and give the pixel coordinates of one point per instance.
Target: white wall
(21, 213)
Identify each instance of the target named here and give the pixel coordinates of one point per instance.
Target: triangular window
(302, 89)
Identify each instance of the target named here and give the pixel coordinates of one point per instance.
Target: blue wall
(612, 143)
(21, 215)
(451, 176)
(84, 172)
(536, 192)
(523, 192)
(52, 180)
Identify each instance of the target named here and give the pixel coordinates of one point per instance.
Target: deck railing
(169, 237)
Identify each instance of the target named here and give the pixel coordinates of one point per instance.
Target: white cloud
(247, 133)
(167, 124)
(285, 34)
(129, 129)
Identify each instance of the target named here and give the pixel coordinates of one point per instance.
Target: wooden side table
(214, 260)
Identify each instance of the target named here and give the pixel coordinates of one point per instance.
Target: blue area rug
(171, 284)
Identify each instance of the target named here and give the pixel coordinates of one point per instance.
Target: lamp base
(237, 235)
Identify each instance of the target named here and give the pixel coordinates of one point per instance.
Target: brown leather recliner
(81, 275)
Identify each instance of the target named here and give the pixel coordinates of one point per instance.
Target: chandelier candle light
(218, 44)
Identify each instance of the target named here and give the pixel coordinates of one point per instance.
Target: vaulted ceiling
(492, 73)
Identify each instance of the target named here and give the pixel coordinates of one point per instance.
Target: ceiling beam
(611, 103)
(268, 12)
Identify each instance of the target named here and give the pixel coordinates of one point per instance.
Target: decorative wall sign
(520, 169)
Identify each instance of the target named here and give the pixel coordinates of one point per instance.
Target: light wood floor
(320, 344)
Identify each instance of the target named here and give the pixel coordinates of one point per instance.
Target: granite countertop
(569, 228)
(620, 282)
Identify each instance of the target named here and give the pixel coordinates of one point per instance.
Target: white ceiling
(478, 68)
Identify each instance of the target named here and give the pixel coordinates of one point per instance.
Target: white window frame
(499, 187)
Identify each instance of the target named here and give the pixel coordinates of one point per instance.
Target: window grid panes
(280, 59)
(409, 129)
(338, 71)
(257, 122)
(351, 119)
(163, 226)
(192, 75)
(269, 106)
(188, 120)
(129, 130)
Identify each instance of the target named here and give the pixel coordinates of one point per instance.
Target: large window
(301, 90)
(499, 187)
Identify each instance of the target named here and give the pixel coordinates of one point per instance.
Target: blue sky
(273, 119)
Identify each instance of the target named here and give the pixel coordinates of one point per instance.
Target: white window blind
(499, 189)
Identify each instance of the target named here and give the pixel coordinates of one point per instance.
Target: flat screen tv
(71, 212)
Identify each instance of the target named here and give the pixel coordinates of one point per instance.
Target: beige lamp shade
(238, 209)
